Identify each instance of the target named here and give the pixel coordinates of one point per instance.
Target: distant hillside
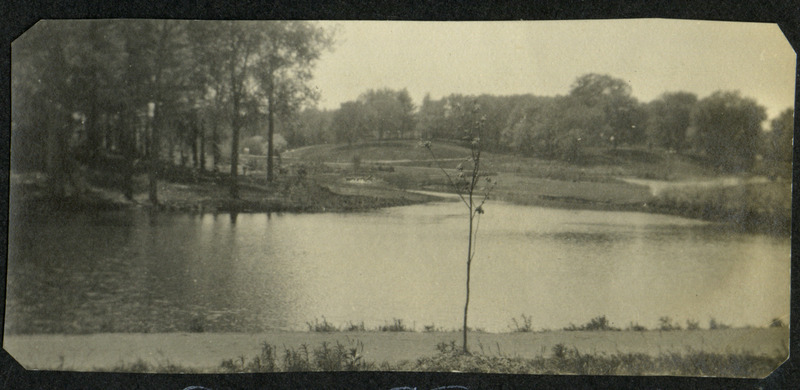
(396, 150)
(597, 163)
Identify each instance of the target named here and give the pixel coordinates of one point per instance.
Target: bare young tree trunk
(465, 188)
(469, 265)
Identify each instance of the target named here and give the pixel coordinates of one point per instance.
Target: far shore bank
(740, 208)
(204, 352)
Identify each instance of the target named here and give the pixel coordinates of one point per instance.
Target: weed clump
(524, 325)
(326, 357)
(323, 326)
(430, 328)
(777, 323)
(636, 327)
(396, 326)
(714, 324)
(666, 324)
(600, 323)
(353, 327)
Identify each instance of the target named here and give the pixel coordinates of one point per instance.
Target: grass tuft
(524, 325)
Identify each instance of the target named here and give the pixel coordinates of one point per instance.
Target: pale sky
(545, 57)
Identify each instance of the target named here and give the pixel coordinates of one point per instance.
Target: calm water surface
(134, 272)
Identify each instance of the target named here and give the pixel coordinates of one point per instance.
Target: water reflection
(591, 238)
(140, 272)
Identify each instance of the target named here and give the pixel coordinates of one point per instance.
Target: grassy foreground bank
(723, 352)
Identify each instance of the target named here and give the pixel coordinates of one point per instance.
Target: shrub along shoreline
(764, 208)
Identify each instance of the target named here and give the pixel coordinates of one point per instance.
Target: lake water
(134, 272)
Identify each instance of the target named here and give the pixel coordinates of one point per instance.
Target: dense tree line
(130, 96)
(127, 95)
(599, 112)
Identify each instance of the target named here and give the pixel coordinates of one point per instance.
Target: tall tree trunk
(154, 156)
(235, 144)
(146, 137)
(202, 133)
(171, 150)
(235, 151)
(158, 117)
(215, 152)
(181, 155)
(195, 140)
(270, 126)
(111, 134)
(58, 126)
(236, 95)
(127, 143)
(93, 135)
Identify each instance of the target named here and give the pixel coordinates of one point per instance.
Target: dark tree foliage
(107, 94)
(622, 117)
(287, 54)
(598, 112)
(727, 129)
(431, 118)
(669, 118)
(308, 127)
(388, 113)
(779, 140)
(553, 127)
(350, 123)
(64, 82)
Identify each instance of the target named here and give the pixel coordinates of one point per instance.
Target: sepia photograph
(571, 197)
